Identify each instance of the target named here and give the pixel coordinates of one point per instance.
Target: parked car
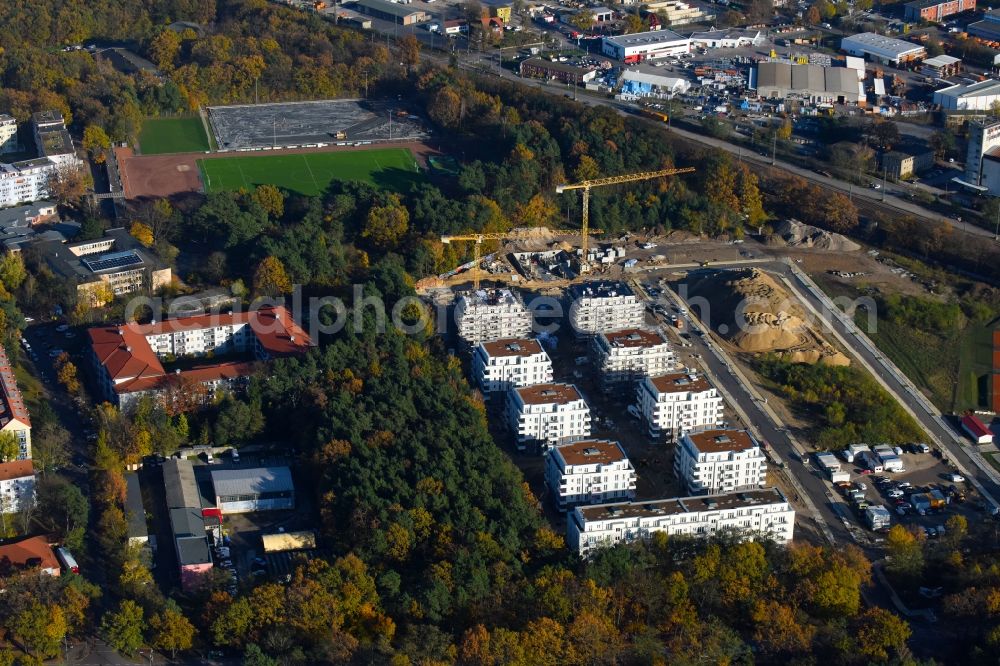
(955, 478)
(895, 494)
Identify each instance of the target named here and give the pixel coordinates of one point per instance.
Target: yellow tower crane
(510, 235)
(610, 180)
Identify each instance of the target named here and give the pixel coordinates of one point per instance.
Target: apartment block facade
(491, 314)
(589, 471)
(720, 461)
(14, 417)
(764, 514)
(501, 365)
(625, 356)
(603, 306)
(544, 415)
(17, 485)
(673, 404)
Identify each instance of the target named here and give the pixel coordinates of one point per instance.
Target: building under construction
(484, 315)
(602, 306)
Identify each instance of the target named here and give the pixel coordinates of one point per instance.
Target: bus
(67, 560)
(655, 115)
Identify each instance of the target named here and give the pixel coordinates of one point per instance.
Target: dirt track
(155, 176)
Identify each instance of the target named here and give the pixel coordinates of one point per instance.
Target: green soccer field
(173, 135)
(311, 173)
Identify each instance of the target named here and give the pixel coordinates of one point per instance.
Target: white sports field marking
(243, 178)
(318, 189)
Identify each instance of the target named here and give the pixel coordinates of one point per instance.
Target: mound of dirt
(797, 234)
(755, 314)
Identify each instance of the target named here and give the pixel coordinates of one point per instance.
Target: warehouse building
(727, 39)
(814, 83)
(256, 489)
(390, 11)
(645, 46)
(748, 515)
(540, 68)
(968, 97)
(882, 49)
(936, 10)
(988, 29)
(643, 84)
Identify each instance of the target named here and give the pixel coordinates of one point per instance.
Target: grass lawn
(310, 173)
(173, 135)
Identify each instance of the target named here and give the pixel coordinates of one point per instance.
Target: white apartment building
(501, 365)
(17, 485)
(627, 355)
(8, 134)
(590, 471)
(676, 403)
(547, 414)
(491, 314)
(27, 181)
(713, 462)
(753, 514)
(602, 306)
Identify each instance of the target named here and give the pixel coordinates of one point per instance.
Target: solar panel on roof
(112, 260)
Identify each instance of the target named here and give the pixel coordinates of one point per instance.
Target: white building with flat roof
(547, 414)
(756, 514)
(590, 471)
(17, 485)
(675, 403)
(27, 181)
(982, 157)
(641, 46)
(720, 461)
(879, 48)
(627, 355)
(968, 96)
(500, 365)
(8, 134)
(491, 314)
(603, 305)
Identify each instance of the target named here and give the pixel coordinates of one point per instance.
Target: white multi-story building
(501, 365)
(547, 414)
(764, 514)
(602, 306)
(675, 403)
(624, 356)
(8, 134)
(491, 314)
(590, 471)
(17, 485)
(28, 181)
(720, 461)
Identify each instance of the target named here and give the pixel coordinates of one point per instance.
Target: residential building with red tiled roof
(501, 365)
(676, 403)
(720, 461)
(13, 412)
(627, 355)
(590, 471)
(30, 553)
(128, 359)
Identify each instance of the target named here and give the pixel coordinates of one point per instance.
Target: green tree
(123, 628)
(50, 447)
(880, 631)
(171, 631)
(270, 199)
(271, 279)
(40, 629)
(10, 447)
(95, 142)
(583, 20)
(386, 225)
(904, 553)
(12, 270)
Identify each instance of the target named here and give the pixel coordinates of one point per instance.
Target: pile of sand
(755, 314)
(797, 234)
